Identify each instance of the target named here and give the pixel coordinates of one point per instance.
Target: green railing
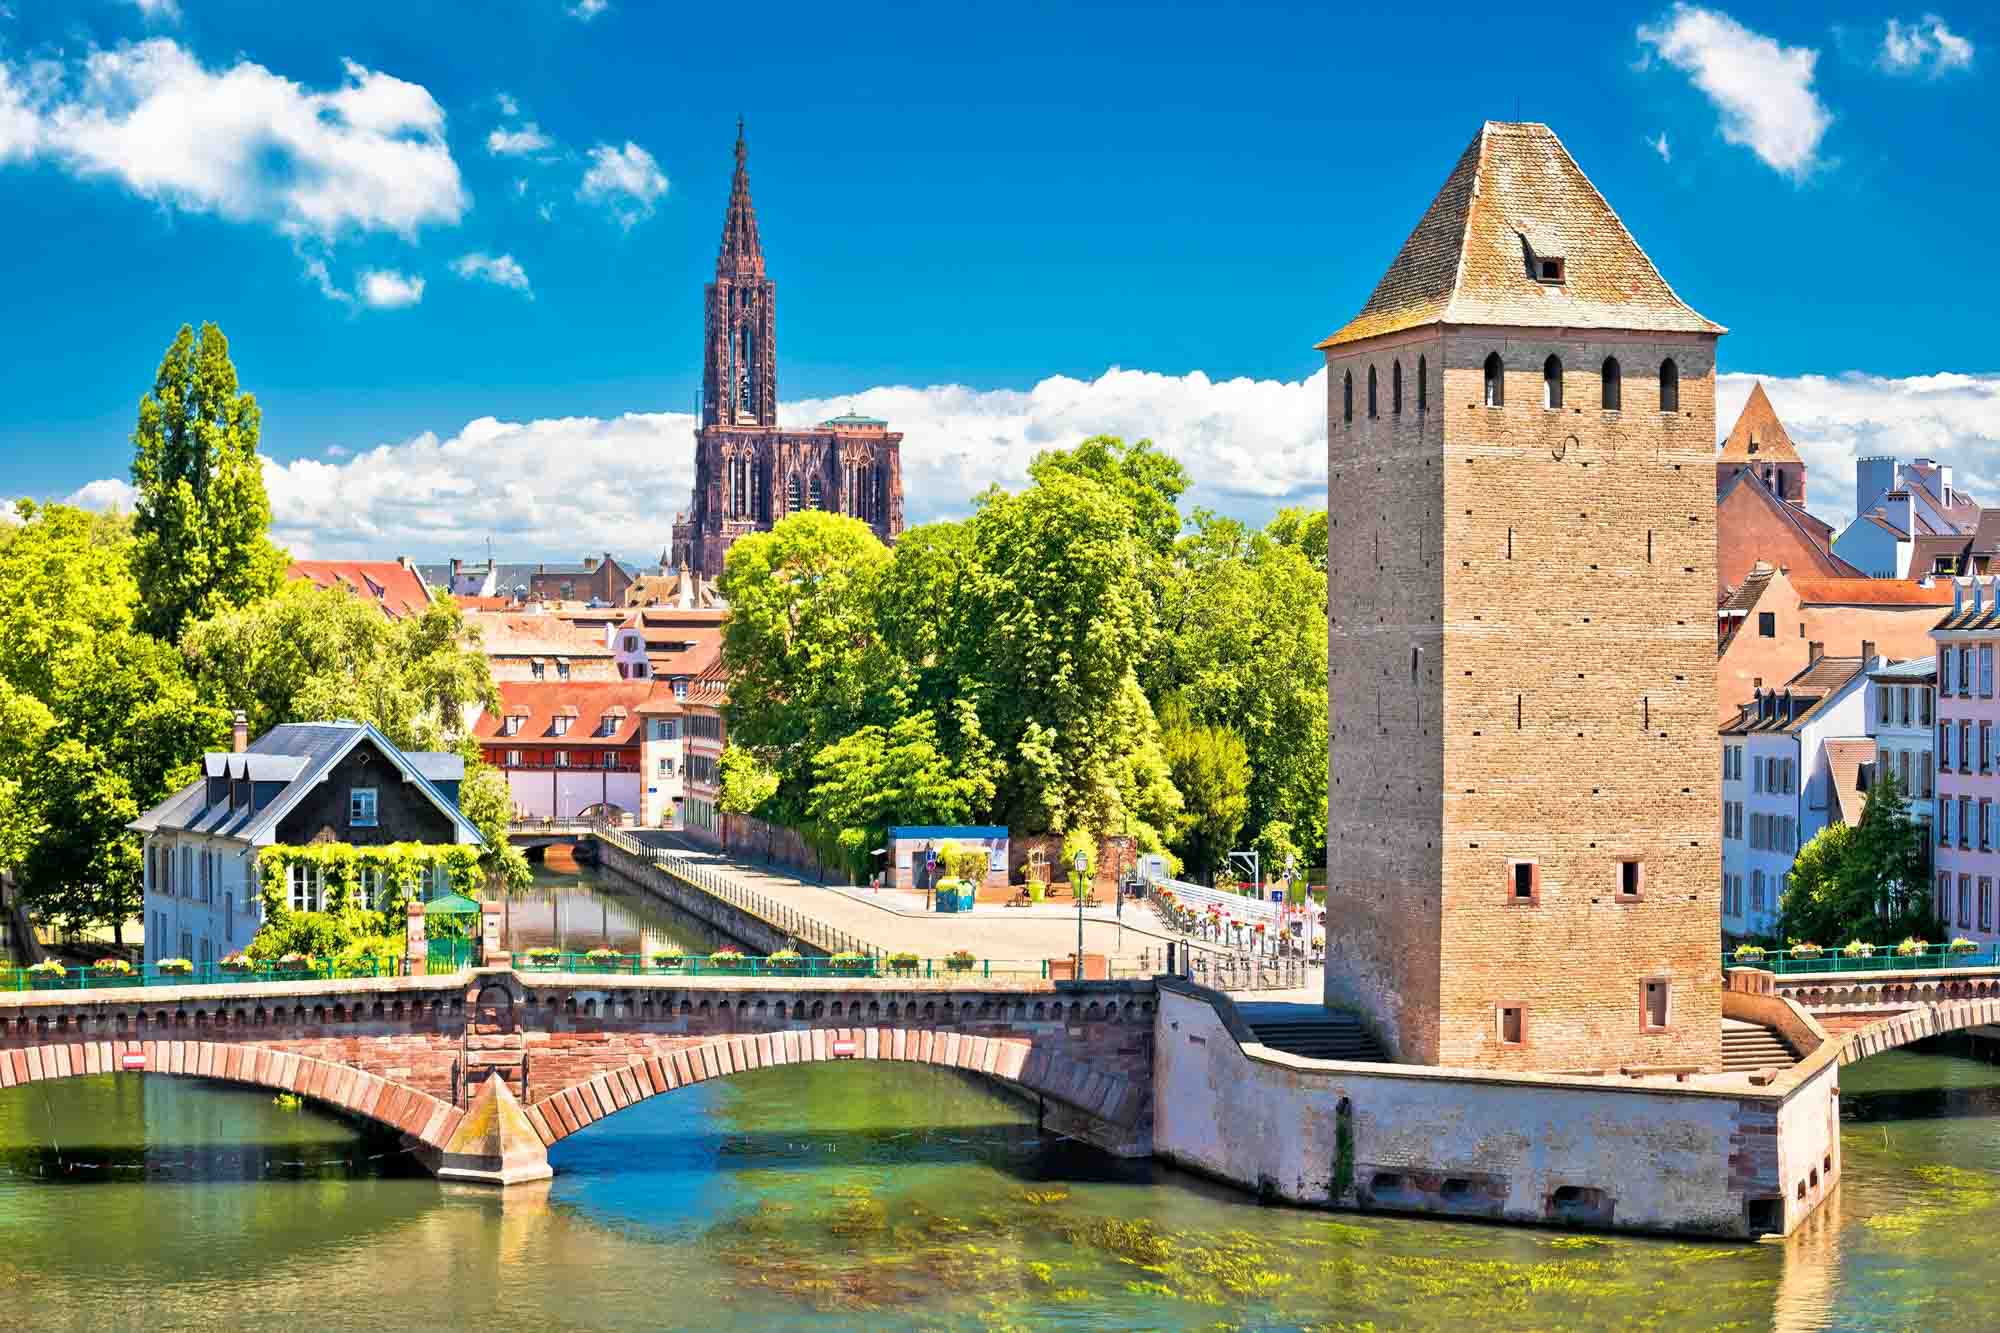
(882, 968)
(1885, 958)
(203, 974)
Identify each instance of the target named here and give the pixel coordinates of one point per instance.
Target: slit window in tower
(745, 394)
(795, 495)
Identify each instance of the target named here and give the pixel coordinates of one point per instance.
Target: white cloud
(20, 124)
(588, 9)
(508, 106)
(244, 143)
(502, 270)
(545, 487)
(163, 11)
(505, 142)
(626, 180)
(1763, 90)
(1927, 43)
(1836, 419)
(386, 289)
(104, 495)
(1659, 146)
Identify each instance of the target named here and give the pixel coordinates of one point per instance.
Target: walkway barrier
(1884, 958)
(1231, 972)
(773, 911)
(199, 974)
(883, 967)
(1229, 921)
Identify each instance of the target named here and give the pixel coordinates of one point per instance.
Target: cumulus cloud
(586, 10)
(501, 270)
(625, 180)
(1659, 146)
(1927, 44)
(1836, 419)
(1762, 90)
(518, 142)
(106, 495)
(508, 106)
(588, 483)
(386, 289)
(253, 146)
(163, 11)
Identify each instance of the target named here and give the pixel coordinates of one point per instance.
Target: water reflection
(572, 907)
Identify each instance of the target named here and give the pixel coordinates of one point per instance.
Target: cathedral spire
(742, 254)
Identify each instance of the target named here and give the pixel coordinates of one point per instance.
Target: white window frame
(305, 889)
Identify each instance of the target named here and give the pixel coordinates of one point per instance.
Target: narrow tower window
(795, 498)
(1347, 397)
(1396, 388)
(1670, 386)
(812, 492)
(1423, 383)
(1372, 413)
(1552, 383)
(1612, 386)
(1496, 382)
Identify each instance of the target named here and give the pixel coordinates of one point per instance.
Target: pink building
(1968, 771)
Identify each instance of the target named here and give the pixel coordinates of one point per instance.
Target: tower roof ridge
(742, 253)
(1758, 436)
(1519, 235)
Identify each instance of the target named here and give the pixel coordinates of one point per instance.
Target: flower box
(1963, 946)
(904, 964)
(171, 968)
(602, 960)
(853, 964)
(961, 960)
(1749, 954)
(669, 962)
(1857, 949)
(729, 962)
(1911, 948)
(1806, 951)
(786, 963)
(50, 975)
(540, 960)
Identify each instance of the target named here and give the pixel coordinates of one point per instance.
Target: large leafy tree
(806, 663)
(98, 722)
(1211, 767)
(1868, 881)
(878, 777)
(202, 517)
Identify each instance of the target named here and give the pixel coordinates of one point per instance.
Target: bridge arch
(1071, 1083)
(1928, 1020)
(393, 1105)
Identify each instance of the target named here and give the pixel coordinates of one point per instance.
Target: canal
(885, 1197)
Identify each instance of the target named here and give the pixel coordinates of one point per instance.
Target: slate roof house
(311, 782)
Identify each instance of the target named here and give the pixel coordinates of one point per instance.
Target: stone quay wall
(1706, 1157)
(747, 928)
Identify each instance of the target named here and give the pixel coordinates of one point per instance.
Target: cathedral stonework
(749, 473)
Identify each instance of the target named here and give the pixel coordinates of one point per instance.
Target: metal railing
(1232, 972)
(1883, 958)
(779, 915)
(199, 974)
(883, 967)
(1193, 918)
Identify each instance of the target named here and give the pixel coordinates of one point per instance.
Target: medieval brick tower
(748, 472)
(1523, 803)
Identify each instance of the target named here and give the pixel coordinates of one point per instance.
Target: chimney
(239, 732)
(1814, 651)
(589, 564)
(456, 565)
(1867, 650)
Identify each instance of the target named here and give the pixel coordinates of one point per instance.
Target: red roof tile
(539, 702)
(1870, 592)
(394, 587)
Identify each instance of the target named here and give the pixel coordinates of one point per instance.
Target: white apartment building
(1902, 710)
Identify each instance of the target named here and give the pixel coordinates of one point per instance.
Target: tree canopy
(1868, 881)
(202, 517)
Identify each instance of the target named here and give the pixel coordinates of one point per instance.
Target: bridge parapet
(1843, 997)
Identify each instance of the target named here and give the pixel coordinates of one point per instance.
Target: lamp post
(1079, 867)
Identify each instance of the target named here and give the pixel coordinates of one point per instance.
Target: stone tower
(1523, 802)
(748, 472)
(1759, 443)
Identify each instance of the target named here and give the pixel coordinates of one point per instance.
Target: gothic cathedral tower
(748, 472)
(1523, 804)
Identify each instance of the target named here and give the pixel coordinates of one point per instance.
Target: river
(882, 1197)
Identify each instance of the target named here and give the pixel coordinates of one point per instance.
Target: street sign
(843, 1050)
(133, 1060)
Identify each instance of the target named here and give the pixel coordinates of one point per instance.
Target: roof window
(1548, 270)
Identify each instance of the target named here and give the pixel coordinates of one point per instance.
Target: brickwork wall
(1523, 668)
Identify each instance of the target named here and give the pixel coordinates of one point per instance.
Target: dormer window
(510, 726)
(607, 726)
(1548, 270)
(559, 726)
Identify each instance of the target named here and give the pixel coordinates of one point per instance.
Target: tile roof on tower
(1758, 436)
(1515, 199)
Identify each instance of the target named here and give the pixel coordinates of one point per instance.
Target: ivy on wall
(408, 873)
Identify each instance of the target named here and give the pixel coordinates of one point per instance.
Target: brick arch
(1930, 1020)
(355, 1091)
(1015, 1060)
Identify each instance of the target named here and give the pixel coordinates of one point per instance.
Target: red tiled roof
(394, 587)
(586, 702)
(1758, 435)
(1845, 759)
(1870, 592)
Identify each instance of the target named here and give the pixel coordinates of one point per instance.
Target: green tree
(1211, 767)
(747, 785)
(100, 721)
(1304, 530)
(879, 777)
(202, 518)
(806, 663)
(1869, 881)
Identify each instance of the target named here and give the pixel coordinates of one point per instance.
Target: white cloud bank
(1927, 44)
(566, 485)
(1762, 90)
(501, 270)
(160, 11)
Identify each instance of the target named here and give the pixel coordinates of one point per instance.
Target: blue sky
(460, 259)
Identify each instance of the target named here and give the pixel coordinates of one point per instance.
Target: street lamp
(1079, 867)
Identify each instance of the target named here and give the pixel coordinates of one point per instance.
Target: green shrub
(960, 960)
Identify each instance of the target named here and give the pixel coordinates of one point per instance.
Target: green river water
(886, 1197)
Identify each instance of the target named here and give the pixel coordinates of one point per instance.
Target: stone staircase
(1746, 1048)
(1325, 1035)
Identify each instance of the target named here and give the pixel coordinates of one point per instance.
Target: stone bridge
(484, 1071)
(1878, 1011)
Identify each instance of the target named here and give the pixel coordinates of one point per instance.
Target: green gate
(451, 934)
